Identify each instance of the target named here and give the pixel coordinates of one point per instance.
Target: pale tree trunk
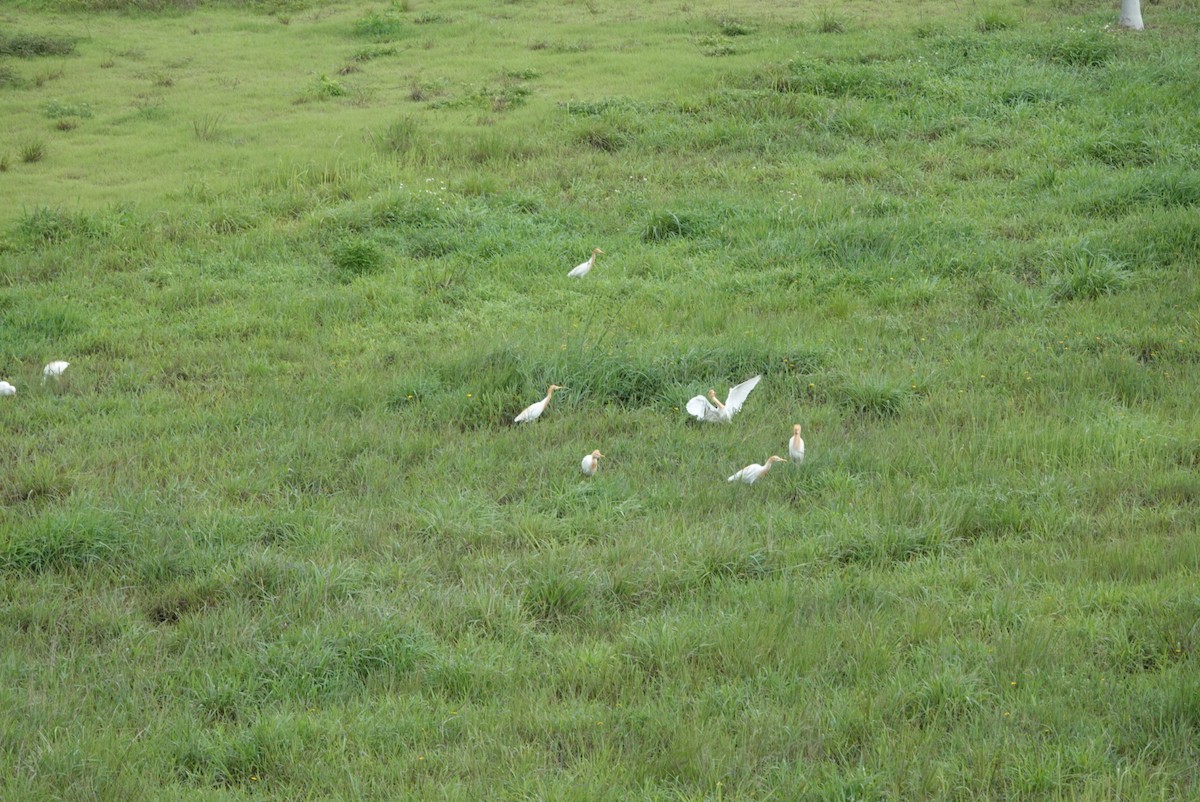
(1131, 15)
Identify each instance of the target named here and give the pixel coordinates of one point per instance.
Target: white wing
(737, 395)
(581, 270)
(700, 409)
(747, 474)
(530, 412)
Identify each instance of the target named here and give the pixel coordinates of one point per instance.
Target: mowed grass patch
(274, 532)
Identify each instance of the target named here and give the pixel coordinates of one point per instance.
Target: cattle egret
(796, 445)
(532, 411)
(582, 270)
(54, 369)
(7, 389)
(591, 463)
(751, 473)
(711, 408)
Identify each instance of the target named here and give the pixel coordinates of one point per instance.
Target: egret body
(711, 409)
(533, 411)
(591, 463)
(54, 370)
(7, 389)
(751, 473)
(796, 445)
(582, 270)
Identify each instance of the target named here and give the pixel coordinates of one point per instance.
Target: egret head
(796, 429)
(772, 459)
(597, 454)
(554, 387)
(596, 251)
(712, 394)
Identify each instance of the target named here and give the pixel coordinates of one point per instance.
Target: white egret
(711, 408)
(582, 270)
(751, 473)
(591, 463)
(54, 370)
(796, 445)
(532, 411)
(7, 389)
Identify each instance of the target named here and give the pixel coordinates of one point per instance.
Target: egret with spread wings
(711, 408)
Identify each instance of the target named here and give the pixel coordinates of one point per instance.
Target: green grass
(274, 536)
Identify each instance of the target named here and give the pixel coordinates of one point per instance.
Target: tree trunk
(1131, 15)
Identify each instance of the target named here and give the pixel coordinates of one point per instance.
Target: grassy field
(273, 535)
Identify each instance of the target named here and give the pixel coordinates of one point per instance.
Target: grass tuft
(830, 22)
(379, 27)
(874, 398)
(1078, 49)
(665, 225)
(32, 45)
(357, 257)
(208, 128)
(32, 152)
(1084, 275)
(79, 540)
(994, 19)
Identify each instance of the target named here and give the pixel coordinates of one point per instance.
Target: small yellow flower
(469, 395)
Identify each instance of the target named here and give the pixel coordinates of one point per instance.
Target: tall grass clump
(357, 256)
(399, 138)
(994, 19)
(665, 225)
(30, 45)
(32, 151)
(830, 22)
(1084, 275)
(874, 398)
(1078, 49)
(62, 541)
(208, 128)
(379, 27)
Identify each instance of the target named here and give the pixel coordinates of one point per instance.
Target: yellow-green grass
(274, 536)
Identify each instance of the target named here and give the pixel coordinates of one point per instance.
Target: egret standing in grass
(711, 409)
(582, 270)
(54, 370)
(591, 463)
(796, 445)
(533, 411)
(7, 389)
(751, 473)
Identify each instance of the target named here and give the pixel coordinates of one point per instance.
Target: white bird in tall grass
(752, 473)
(711, 408)
(533, 411)
(796, 445)
(54, 370)
(7, 389)
(591, 463)
(582, 270)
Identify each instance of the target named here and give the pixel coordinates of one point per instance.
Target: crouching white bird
(533, 411)
(582, 270)
(751, 473)
(54, 370)
(711, 408)
(591, 463)
(7, 389)
(796, 445)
